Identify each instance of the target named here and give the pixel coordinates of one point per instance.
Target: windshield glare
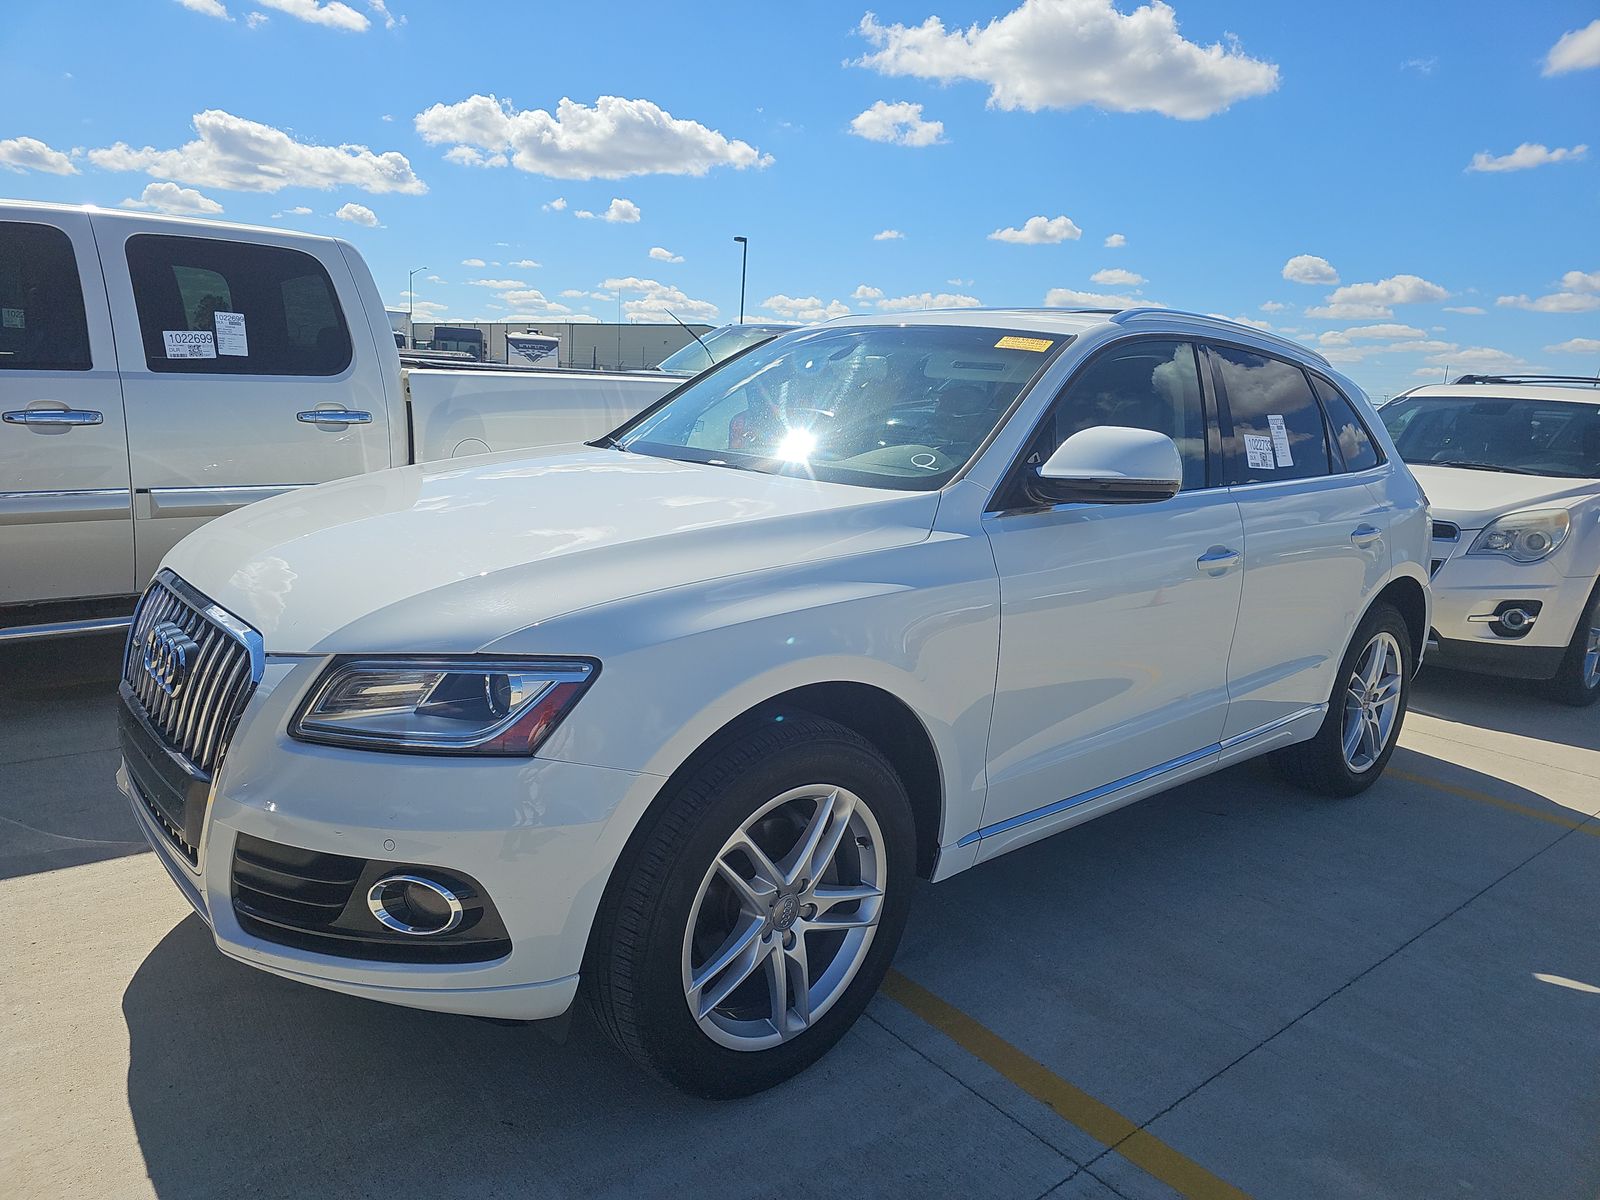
(722, 343)
(1530, 437)
(893, 407)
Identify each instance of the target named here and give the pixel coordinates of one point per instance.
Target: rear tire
(1366, 709)
(1577, 681)
(722, 873)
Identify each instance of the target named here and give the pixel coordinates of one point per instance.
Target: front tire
(1371, 692)
(1577, 682)
(758, 911)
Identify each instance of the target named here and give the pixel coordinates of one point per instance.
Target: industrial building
(583, 344)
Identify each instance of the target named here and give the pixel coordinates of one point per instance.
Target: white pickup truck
(156, 372)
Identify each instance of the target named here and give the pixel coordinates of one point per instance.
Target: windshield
(723, 343)
(1524, 437)
(883, 406)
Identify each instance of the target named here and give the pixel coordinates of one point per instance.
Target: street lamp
(744, 263)
(411, 312)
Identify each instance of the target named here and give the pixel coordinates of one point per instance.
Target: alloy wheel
(1372, 702)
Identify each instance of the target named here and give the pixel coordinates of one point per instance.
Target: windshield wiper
(608, 442)
(1472, 466)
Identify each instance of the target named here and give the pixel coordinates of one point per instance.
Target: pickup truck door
(249, 368)
(66, 521)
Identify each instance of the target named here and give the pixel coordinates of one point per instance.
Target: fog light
(414, 906)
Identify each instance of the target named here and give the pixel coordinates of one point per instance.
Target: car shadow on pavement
(1518, 706)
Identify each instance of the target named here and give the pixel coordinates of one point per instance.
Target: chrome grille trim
(198, 719)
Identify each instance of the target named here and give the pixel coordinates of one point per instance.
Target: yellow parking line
(1582, 826)
(1072, 1104)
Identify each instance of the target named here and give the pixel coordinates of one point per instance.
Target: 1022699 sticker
(189, 343)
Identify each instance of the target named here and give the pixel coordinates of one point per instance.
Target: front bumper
(534, 833)
(1467, 592)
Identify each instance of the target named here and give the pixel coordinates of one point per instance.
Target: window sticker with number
(1280, 439)
(1258, 452)
(189, 343)
(231, 338)
(14, 318)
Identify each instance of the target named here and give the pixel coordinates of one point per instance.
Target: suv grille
(197, 717)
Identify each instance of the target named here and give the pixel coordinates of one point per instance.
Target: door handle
(1218, 559)
(1365, 535)
(53, 416)
(334, 416)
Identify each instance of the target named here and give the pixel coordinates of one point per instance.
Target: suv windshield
(722, 343)
(1524, 437)
(884, 406)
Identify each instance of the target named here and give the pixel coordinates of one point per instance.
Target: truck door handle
(1217, 560)
(334, 416)
(53, 416)
(1365, 535)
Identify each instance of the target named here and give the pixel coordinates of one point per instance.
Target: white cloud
(256, 20)
(613, 139)
(1040, 231)
(1577, 50)
(467, 156)
(1252, 322)
(1526, 156)
(1577, 345)
(865, 293)
(1581, 281)
(1482, 358)
(1272, 306)
(530, 303)
(556, 205)
(1555, 302)
(1422, 66)
(624, 212)
(334, 15)
(170, 198)
(21, 154)
(357, 214)
(929, 300)
(207, 8)
(1115, 241)
(299, 210)
(526, 263)
(650, 300)
(1470, 310)
(574, 294)
(1117, 277)
(473, 262)
(662, 254)
(1339, 337)
(247, 156)
(1066, 53)
(502, 284)
(1073, 298)
(382, 9)
(1309, 268)
(1368, 301)
(887, 235)
(805, 308)
(900, 124)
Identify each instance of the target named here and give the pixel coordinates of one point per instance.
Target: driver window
(1143, 385)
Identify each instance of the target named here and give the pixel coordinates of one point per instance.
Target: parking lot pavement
(1232, 989)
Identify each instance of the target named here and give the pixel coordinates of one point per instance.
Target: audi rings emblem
(168, 654)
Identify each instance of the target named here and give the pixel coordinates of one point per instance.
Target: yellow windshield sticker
(1037, 345)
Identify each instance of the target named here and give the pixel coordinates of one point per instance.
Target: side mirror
(1111, 464)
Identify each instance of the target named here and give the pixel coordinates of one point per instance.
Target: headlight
(1524, 536)
(442, 706)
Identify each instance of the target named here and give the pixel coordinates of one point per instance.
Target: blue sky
(1233, 145)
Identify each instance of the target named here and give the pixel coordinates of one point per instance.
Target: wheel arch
(1410, 599)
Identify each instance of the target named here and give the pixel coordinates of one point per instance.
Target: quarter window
(42, 322)
(1272, 428)
(235, 308)
(1351, 441)
(1143, 385)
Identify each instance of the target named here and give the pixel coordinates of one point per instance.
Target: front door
(66, 520)
(1116, 619)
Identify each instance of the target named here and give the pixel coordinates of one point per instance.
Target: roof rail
(1577, 380)
(1126, 315)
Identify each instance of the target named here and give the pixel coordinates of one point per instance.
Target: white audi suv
(673, 721)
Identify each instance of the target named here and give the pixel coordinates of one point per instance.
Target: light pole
(744, 263)
(411, 311)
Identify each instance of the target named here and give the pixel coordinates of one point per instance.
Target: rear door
(66, 522)
(248, 368)
(1315, 544)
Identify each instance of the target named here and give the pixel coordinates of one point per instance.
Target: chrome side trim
(89, 504)
(211, 501)
(1184, 760)
(27, 633)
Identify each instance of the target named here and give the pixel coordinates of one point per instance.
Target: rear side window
(1351, 441)
(42, 321)
(214, 307)
(1272, 426)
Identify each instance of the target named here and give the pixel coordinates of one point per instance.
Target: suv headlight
(442, 706)
(1524, 537)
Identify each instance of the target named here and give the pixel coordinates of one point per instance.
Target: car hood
(1474, 498)
(448, 558)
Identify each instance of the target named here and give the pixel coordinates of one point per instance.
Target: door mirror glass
(1111, 464)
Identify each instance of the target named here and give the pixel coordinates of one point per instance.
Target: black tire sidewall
(1569, 684)
(1382, 618)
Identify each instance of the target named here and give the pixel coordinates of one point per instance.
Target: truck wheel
(1370, 693)
(754, 918)
(1577, 682)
